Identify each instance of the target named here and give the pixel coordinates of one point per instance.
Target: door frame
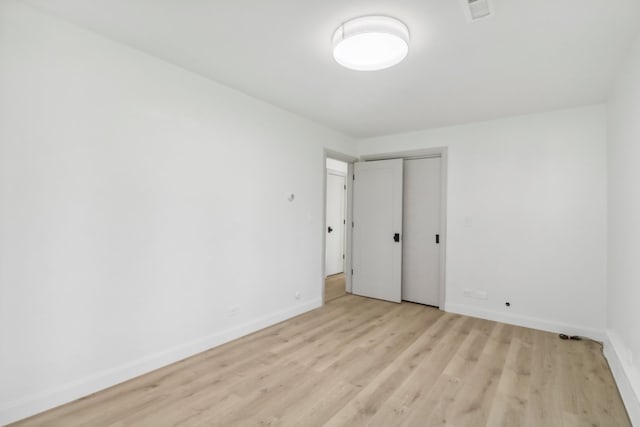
(344, 175)
(422, 154)
(328, 153)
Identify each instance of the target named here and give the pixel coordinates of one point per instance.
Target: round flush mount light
(371, 43)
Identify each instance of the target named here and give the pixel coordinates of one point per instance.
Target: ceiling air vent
(478, 9)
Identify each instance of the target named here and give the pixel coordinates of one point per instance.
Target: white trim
(408, 154)
(336, 172)
(444, 161)
(39, 402)
(526, 321)
(348, 265)
(627, 378)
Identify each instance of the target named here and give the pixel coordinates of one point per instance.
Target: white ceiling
(530, 56)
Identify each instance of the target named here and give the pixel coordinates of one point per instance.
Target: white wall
(138, 204)
(623, 314)
(526, 216)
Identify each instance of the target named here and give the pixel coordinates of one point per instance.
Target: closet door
(420, 247)
(377, 231)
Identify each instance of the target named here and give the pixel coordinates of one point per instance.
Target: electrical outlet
(297, 295)
(481, 295)
(468, 293)
(233, 311)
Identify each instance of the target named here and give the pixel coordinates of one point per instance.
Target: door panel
(420, 252)
(334, 261)
(377, 211)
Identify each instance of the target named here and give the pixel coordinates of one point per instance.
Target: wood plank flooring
(359, 361)
(334, 287)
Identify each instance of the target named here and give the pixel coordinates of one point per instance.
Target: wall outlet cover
(481, 295)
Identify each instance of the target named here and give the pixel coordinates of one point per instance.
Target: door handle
(437, 238)
(329, 229)
(396, 237)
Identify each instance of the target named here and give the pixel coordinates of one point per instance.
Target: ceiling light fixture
(371, 43)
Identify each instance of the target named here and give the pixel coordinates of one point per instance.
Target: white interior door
(377, 213)
(334, 258)
(420, 251)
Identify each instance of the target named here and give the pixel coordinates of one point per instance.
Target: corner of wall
(626, 376)
(623, 105)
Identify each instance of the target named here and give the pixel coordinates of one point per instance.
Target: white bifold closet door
(377, 231)
(420, 247)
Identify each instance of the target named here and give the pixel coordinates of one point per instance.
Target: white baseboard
(527, 322)
(627, 378)
(36, 403)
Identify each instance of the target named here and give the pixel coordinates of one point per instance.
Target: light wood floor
(360, 361)
(334, 287)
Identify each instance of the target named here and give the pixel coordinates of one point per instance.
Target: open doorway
(336, 229)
